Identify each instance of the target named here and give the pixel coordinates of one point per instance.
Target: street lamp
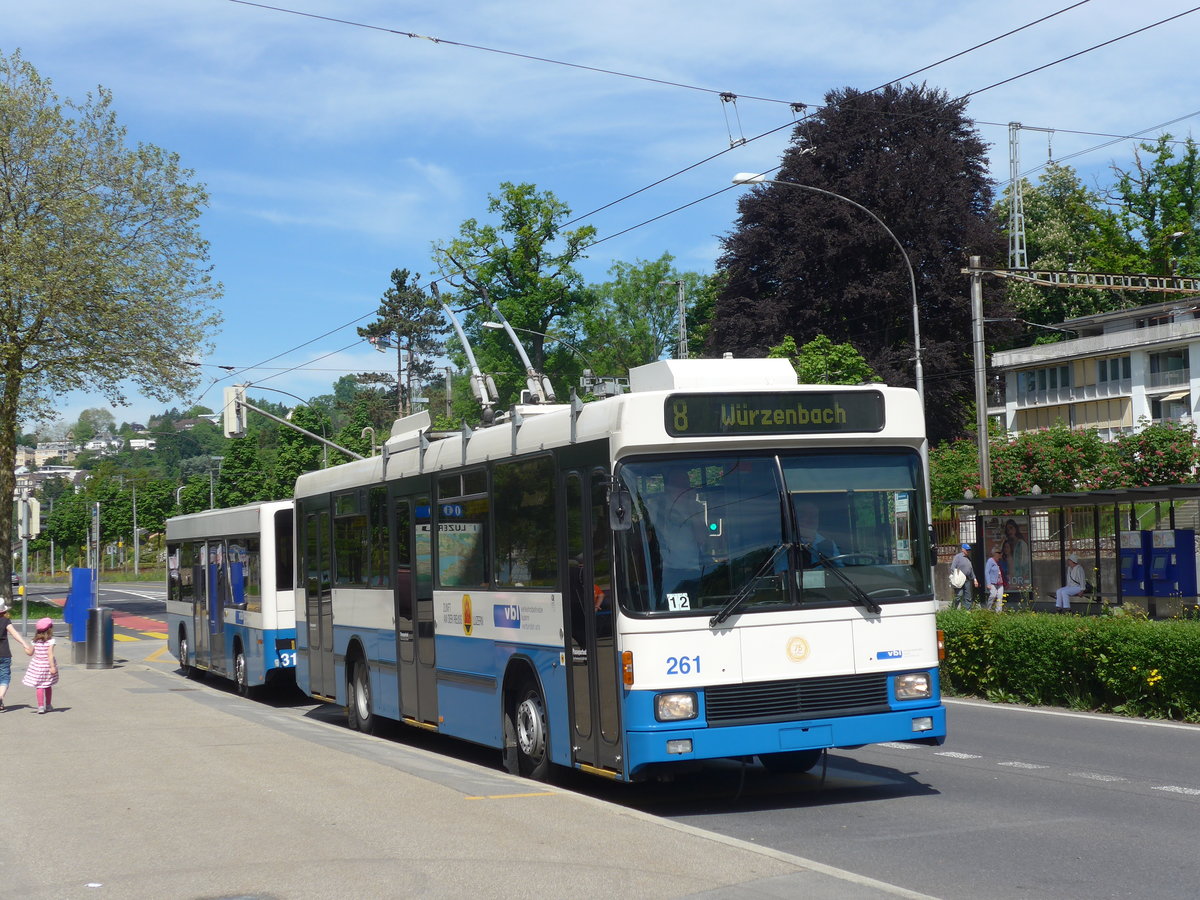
(751, 178)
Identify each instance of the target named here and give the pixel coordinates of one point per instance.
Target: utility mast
(1016, 201)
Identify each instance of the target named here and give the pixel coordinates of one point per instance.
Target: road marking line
(896, 745)
(155, 634)
(1022, 765)
(1096, 776)
(514, 796)
(954, 755)
(153, 657)
(1174, 789)
(125, 637)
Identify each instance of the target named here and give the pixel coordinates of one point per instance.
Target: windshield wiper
(745, 590)
(858, 594)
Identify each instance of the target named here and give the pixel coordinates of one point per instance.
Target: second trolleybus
(230, 598)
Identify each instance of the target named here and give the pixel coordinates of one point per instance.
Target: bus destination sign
(827, 412)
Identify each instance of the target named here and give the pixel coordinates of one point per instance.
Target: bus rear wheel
(526, 725)
(241, 675)
(184, 666)
(362, 716)
(792, 762)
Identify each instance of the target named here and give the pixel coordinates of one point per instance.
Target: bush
(1112, 664)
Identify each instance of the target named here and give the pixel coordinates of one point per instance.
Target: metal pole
(136, 542)
(981, 419)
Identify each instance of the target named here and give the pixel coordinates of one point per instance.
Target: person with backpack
(962, 578)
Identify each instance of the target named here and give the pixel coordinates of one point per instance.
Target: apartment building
(1120, 368)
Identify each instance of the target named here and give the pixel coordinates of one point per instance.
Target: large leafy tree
(524, 264)
(803, 264)
(104, 277)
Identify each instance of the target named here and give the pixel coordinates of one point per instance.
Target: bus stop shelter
(1137, 545)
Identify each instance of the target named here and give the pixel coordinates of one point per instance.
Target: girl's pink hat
(43, 624)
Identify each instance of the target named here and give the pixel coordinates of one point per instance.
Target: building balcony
(1173, 378)
(1183, 331)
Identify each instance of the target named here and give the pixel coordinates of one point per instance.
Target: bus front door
(591, 647)
(414, 611)
(318, 605)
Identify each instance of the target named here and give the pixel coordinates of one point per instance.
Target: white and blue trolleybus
(231, 607)
(719, 563)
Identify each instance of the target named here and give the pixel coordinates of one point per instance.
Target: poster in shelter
(1011, 535)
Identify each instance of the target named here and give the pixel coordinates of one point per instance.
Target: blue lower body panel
(649, 746)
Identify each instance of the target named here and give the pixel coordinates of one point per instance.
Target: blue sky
(335, 153)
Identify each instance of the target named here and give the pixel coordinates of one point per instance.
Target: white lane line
(1022, 765)
(954, 755)
(896, 745)
(1174, 789)
(1068, 714)
(1096, 776)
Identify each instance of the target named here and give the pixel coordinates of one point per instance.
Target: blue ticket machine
(1173, 563)
(1135, 563)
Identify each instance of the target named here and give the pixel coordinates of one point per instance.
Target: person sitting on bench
(1074, 585)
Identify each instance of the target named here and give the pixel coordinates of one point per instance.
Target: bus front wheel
(526, 726)
(362, 716)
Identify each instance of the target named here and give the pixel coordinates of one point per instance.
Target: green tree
(93, 423)
(299, 453)
(634, 318)
(411, 324)
(802, 264)
(524, 265)
(104, 278)
(1067, 227)
(821, 361)
(1157, 202)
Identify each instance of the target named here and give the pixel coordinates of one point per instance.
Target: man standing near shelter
(962, 578)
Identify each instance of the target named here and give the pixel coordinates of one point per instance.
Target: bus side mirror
(620, 507)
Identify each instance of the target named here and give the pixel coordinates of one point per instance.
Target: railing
(1171, 378)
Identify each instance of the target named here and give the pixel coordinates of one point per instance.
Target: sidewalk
(141, 784)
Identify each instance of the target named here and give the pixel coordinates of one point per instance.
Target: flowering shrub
(1061, 459)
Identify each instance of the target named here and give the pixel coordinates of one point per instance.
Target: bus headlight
(914, 686)
(673, 707)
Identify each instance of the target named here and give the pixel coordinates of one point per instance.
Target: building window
(1116, 368)
(1048, 379)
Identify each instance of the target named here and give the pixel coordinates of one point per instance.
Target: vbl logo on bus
(506, 615)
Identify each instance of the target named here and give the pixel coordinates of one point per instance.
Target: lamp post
(751, 178)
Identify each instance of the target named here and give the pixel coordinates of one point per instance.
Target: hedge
(1130, 666)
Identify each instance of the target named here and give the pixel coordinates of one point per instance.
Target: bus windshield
(765, 532)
